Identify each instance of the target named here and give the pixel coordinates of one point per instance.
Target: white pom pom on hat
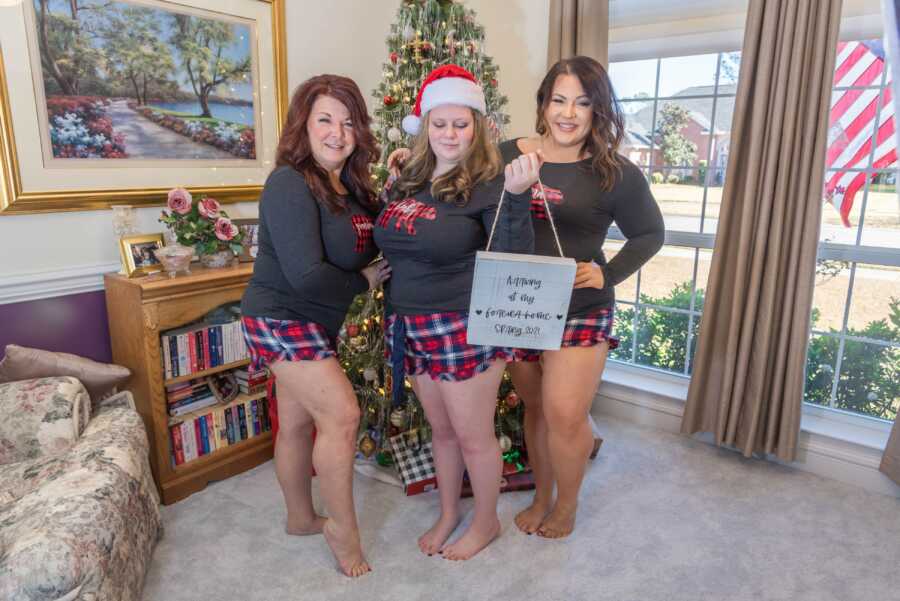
(448, 84)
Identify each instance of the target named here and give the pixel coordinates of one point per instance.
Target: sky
(633, 78)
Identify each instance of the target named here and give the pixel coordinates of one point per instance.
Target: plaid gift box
(414, 462)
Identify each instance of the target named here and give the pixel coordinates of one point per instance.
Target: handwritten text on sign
(520, 301)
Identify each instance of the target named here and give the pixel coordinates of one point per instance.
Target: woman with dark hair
(315, 254)
(438, 216)
(589, 186)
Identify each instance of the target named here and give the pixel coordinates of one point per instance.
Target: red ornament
(427, 47)
(352, 330)
(493, 83)
(512, 399)
(394, 57)
(389, 100)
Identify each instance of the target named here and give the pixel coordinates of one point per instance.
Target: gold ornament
(366, 445)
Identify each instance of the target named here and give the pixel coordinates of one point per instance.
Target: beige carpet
(663, 518)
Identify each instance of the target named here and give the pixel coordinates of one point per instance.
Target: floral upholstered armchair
(79, 513)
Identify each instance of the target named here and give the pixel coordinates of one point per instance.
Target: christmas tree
(426, 34)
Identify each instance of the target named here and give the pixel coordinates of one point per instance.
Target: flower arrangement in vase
(203, 225)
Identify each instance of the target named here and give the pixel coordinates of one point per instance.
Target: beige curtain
(747, 384)
(578, 27)
(890, 463)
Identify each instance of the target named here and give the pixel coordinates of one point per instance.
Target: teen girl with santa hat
(438, 213)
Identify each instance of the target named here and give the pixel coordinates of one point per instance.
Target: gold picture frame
(137, 254)
(30, 182)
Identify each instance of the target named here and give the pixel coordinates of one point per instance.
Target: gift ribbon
(514, 456)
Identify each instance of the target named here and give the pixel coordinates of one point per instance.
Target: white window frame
(835, 423)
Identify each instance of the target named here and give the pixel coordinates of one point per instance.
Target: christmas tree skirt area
(662, 517)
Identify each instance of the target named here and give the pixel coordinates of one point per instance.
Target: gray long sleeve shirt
(309, 259)
(583, 212)
(431, 244)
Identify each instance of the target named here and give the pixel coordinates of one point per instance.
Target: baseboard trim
(52, 283)
(819, 454)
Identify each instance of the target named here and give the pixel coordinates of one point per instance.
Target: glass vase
(216, 260)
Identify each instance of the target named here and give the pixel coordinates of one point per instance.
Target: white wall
(338, 36)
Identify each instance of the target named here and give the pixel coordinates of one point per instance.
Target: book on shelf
(218, 428)
(201, 346)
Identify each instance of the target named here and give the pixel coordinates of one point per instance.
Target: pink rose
(209, 208)
(225, 230)
(179, 201)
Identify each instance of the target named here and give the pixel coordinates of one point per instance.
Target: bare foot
(559, 524)
(432, 541)
(529, 519)
(305, 526)
(471, 542)
(346, 549)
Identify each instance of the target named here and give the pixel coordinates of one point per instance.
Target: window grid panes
(685, 104)
(853, 361)
(678, 114)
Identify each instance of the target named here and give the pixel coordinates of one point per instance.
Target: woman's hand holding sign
(522, 172)
(589, 275)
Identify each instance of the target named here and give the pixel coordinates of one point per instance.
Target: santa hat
(449, 84)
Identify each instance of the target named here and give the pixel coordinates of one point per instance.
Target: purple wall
(71, 324)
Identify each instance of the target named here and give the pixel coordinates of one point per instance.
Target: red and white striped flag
(851, 126)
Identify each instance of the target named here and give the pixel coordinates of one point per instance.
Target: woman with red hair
(315, 255)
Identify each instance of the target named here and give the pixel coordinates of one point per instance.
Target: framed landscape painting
(105, 100)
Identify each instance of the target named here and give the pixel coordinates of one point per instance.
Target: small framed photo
(250, 229)
(137, 254)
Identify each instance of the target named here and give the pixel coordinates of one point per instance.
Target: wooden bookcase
(140, 309)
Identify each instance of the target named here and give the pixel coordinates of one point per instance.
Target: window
(853, 363)
(678, 115)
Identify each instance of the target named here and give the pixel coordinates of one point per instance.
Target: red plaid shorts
(436, 345)
(271, 340)
(589, 330)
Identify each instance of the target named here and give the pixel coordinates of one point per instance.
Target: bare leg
(571, 378)
(526, 377)
(293, 466)
(471, 405)
(327, 395)
(448, 464)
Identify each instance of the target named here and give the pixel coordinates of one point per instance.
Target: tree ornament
(512, 399)
(394, 135)
(389, 100)
(384, 458)
(366, 445)
(358, 342)
(398, 417)
(407, 99)
(352, 330)
(394, 57)
(370, 374)
(505, 443)
(502, 410)
(493, 83)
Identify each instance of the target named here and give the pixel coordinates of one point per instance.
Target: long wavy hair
(294, 148)
(480, 163)
(608, 124)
